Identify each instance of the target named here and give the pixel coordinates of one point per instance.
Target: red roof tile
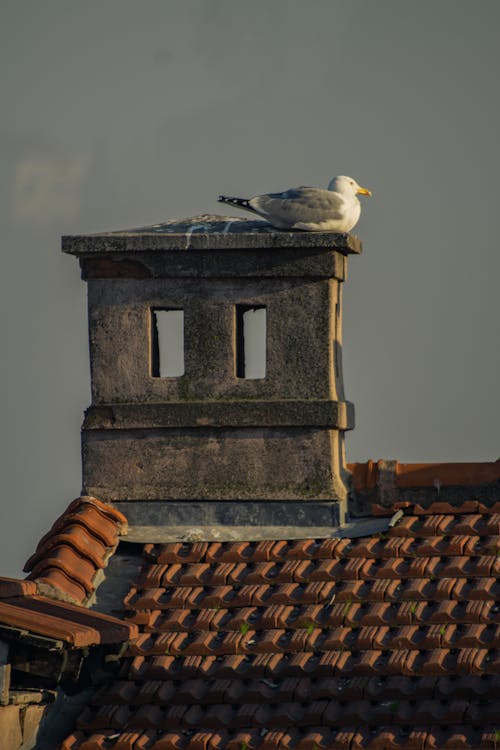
(310, 738)
(65, 567)
(55, 584)
(365, 475)
(70, 556)
(75, 626)
(14, 587)
(381, 642)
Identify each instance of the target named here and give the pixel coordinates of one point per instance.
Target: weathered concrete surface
(20, 726)
(229, 514)
(301, 328)
(207, 232)
(222, 533)
(210, 435)
(209, 264)
(235, 264)
(10, 727)
(32, 719)
(296, 413)
(212, 464)
(5, 671)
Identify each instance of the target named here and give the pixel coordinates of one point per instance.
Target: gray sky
(125, 113)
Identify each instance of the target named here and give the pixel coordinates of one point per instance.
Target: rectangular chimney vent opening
(251, 342)
(167, 343)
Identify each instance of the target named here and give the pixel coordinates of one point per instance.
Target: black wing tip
(233, 201)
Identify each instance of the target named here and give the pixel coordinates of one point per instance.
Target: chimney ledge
(207, 232)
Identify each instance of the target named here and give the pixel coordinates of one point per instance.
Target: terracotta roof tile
(366, 475)
(75, 626)
(391, 641)
(392, 737)
(68, 559)
(79, 538)
(70, 562)
(66, 567)
(55, 584)
(89, 513)
(10, 587)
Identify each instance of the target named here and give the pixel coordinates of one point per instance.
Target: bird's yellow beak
(364, 191)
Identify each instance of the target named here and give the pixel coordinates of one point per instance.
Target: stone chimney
(216, 368)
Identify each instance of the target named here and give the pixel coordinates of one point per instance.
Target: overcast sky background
(123, 113)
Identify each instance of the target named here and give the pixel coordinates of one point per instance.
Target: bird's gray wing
(302, 204)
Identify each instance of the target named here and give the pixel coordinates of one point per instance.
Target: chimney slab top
(207, 232)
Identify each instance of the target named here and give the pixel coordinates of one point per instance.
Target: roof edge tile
(65, 565)
(449, 474)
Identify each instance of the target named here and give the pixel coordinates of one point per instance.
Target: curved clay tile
(80, 539)
(365, 476)
(293, 644)
(69, 558)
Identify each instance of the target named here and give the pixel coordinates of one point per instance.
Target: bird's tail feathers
(238, 202)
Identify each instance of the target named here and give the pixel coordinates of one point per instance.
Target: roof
(69, 559)
(64, 572)
(383, 642)
(450, 474)
(24, 613)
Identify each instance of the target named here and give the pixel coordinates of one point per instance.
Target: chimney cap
(207, 232)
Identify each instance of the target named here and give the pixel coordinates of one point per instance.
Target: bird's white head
(347, 185)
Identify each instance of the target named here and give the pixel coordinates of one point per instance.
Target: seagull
(310, 209)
